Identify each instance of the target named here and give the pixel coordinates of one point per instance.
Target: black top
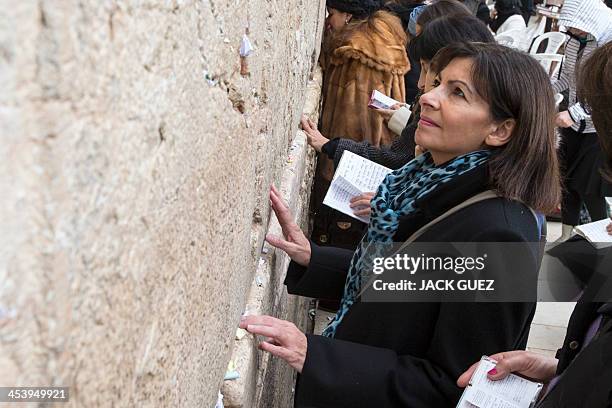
(586, 374)
(410, 354)
(394, 156)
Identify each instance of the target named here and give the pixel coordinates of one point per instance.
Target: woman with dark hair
(508, 17)
(580, 375)
(589, 25)
(435, 36)
(486, 122)
(440, 8)
(363, 50)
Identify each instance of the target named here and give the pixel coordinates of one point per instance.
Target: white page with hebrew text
(355, 175)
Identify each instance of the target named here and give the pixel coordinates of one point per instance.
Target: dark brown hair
(442, 8)
(595, 93)
(516, 87)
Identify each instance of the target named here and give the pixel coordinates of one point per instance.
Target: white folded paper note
(355, 175)
(511, 392)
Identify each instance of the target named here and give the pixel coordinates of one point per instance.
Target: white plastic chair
(555, 73)
(512, 38)
(536, 27)
(546, 60)
(555, 41)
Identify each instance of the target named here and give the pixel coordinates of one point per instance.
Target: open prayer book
(511, 392)
(355, 175)
(596, 233)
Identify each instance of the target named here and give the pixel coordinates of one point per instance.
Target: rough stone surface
(133, 172)
(265, 381)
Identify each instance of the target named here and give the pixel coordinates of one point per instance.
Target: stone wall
(134, 168)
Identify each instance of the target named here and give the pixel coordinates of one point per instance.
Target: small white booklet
(596, 233)
(355, 175)
(379, 100)
(511, 392)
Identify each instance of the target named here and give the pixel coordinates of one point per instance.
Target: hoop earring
(346, 21)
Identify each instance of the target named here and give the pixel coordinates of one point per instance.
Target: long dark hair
(442, 8)
(516, 87)
(594, 92)
(447, 30)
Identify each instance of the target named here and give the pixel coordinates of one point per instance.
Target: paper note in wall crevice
(355, 175)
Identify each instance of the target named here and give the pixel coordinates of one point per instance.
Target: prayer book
(354, 176)
(596, 233)
(379, 100)
(511, 392)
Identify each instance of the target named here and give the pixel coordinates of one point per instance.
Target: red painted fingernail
(492, 371)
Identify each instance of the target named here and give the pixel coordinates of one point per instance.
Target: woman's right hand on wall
(535, 366)
(609, 229)
(294, 242)
(314, 137)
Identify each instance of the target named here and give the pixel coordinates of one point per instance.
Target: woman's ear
(501, 134)
(348, 18)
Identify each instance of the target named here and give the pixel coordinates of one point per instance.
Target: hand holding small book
(361, 204)
(387, 113)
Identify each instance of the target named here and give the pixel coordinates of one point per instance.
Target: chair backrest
(510, 38)
(536, 27)
(555, 72)
(555, 41)
(546, 60)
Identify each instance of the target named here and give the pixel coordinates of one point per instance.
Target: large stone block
(134, 172)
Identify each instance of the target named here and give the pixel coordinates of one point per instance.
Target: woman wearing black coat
(580, 375)
(483, 132)
(435, 35)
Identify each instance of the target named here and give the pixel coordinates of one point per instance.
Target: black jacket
(410, 354)
(586, 374)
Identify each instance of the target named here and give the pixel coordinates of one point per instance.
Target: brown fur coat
(366, 55)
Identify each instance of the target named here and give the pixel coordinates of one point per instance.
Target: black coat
(586, 374)
(410, 354)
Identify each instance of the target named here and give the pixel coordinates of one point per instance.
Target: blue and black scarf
(395, 198)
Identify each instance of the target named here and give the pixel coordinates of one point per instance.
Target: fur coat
(366, 55)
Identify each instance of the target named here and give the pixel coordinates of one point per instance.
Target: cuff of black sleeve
(330, 147)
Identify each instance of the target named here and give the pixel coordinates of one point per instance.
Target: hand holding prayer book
(511, 392)
(355, 175)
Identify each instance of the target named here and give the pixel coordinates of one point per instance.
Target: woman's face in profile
(454, 119)
(423, 75)
(336, 19)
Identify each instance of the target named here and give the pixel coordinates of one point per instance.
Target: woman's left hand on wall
(609, 229)
(284, 339)
(314, 137)
(564, 120)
